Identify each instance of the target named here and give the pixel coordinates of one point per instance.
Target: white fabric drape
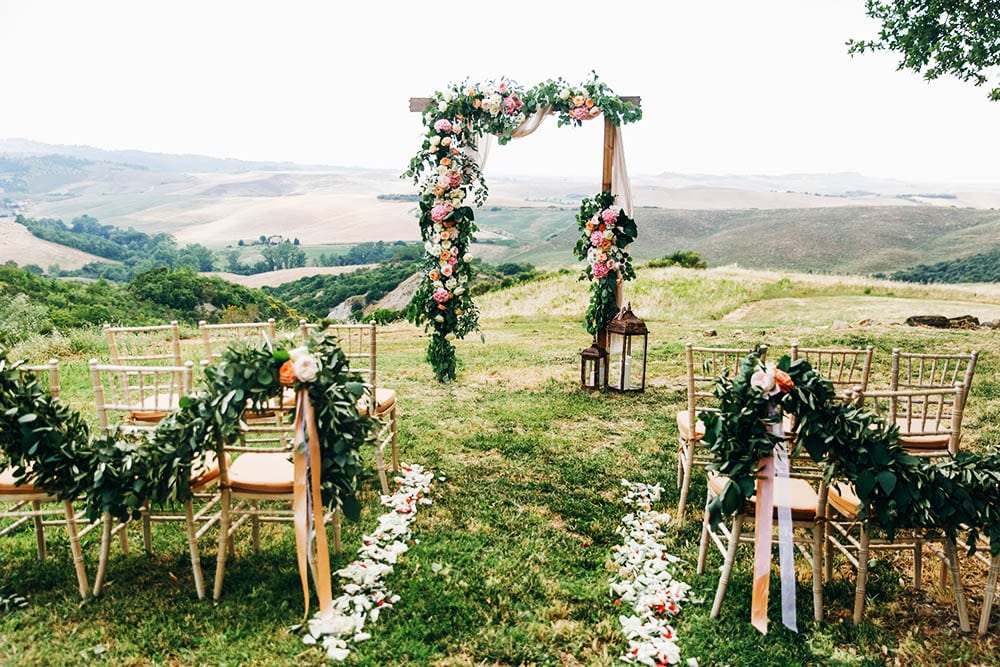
(621, 186)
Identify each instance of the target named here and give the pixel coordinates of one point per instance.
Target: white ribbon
(786, 546)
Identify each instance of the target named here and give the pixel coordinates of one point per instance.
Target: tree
(935, 37)
(283, 256)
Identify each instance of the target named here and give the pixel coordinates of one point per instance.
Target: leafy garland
(49, 442)
(897, 490)
(605, 236)
(448, 176)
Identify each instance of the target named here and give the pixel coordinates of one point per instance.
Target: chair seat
(204, 469)
(684, 426)
(803, 499)
(843, 499)
(914, 439)
(384, 400)
(7, 487)
(262, 473)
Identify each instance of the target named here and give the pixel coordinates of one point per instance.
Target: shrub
(686, 259)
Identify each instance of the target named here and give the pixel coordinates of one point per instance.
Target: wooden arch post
(420, 104)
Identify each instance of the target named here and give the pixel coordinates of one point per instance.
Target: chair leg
(147, 530)
(918, 564)
(224, 543)
(199, 581)
(395, 439)
(862, 585)
(685, 482)
(36, 506)
(703, 544)
(123, 538)
(991, 591)
(819, 540)
(255, 525)
(74, 547)
(727, 568)
(338, 547)
(956, 583)
(102, 563)
(380, 467)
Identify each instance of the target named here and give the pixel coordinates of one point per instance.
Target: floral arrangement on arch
(448, 176)
(605, 237)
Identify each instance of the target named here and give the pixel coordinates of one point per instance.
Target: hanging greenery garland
(606, 235)
(49, 442)
(897, 490)
(446, 171)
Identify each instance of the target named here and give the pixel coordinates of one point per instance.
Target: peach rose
(286, 374)
(783, 380)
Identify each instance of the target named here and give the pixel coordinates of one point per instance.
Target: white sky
(728, 86)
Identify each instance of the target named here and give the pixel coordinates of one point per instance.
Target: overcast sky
(727, 86)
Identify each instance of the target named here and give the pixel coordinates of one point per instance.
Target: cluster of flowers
(300, 366)
(580, 105)
(643, 579)
(771, 381)
(445, 249)
(365, 595)
(603, 254)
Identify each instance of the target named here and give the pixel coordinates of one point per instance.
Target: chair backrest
(47, 373)
(216, 338)
(704, 366)
(137, 397)
(929, 418)
(156, 345)
(358, 342)
(912, 370)
(845, 368)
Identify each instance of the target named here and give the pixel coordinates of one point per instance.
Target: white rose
(439, 318)
(564, 93)
(435, 140)
(306, 368)
(449, 96)
(442, 106)
(449, 336)
(467, 258)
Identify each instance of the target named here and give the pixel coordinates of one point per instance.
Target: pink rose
(441, 295)
(599, 270)
(609, 216)
(579, 113)
(446, 270)
(597, 238)
(503, 87)
(455, 179)
(442, 125)
(441, 211)
(444, 181)
(512, 105)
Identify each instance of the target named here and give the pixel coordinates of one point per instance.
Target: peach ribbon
(307, 505)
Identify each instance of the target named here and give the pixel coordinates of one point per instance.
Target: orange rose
(454, 151)
(445, 256)
(590, 103)
(438, 190)
(286, 374)
(434, 275)
(477, 103)
(441, 306)
(578, 101)
(446, 162)
(459, 117)
(783, 380)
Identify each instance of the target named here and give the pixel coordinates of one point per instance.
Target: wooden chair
(132, 400)
(216, 338)
(930, 423)
(23, 502)
(807, 499)
(359, 344)
(911, 370)
(155, 345)
(845, 368)
(704, 366)
(257, 468)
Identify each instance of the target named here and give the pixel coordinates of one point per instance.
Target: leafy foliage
(980, 268)
(605, 237)
(897, 490)
(314, 296)
(956, 37)
(372, 252)
(686, 259)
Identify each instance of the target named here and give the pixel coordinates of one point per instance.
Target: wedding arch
(448, 169)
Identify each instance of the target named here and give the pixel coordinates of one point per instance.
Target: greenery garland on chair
(448, 175)
(897, 490)
(119, 475)
(606, 235)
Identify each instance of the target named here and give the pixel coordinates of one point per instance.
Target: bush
(384, 316)
(686, 259)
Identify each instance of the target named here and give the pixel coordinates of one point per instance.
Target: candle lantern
(593, 366)
(627, 340)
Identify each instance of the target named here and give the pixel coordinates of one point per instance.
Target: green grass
(510, 567)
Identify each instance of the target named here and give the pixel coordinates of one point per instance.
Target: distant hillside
(980, 268)
(860, 240)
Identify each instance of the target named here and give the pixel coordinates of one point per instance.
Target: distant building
(275, 239)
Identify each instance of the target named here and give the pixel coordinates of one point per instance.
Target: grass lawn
(511, 564)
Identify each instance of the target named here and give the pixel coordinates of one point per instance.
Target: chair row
(134, 394)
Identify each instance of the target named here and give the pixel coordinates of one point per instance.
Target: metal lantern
(593, 366)
(627, 357)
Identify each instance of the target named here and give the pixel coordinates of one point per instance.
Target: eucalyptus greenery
(118, 474)
(897, 490)
(446, 170)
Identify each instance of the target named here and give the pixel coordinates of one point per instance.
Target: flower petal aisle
(644, 579)
(365, 593)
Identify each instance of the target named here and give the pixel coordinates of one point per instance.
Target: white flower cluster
(365, 594)
(643, 579)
